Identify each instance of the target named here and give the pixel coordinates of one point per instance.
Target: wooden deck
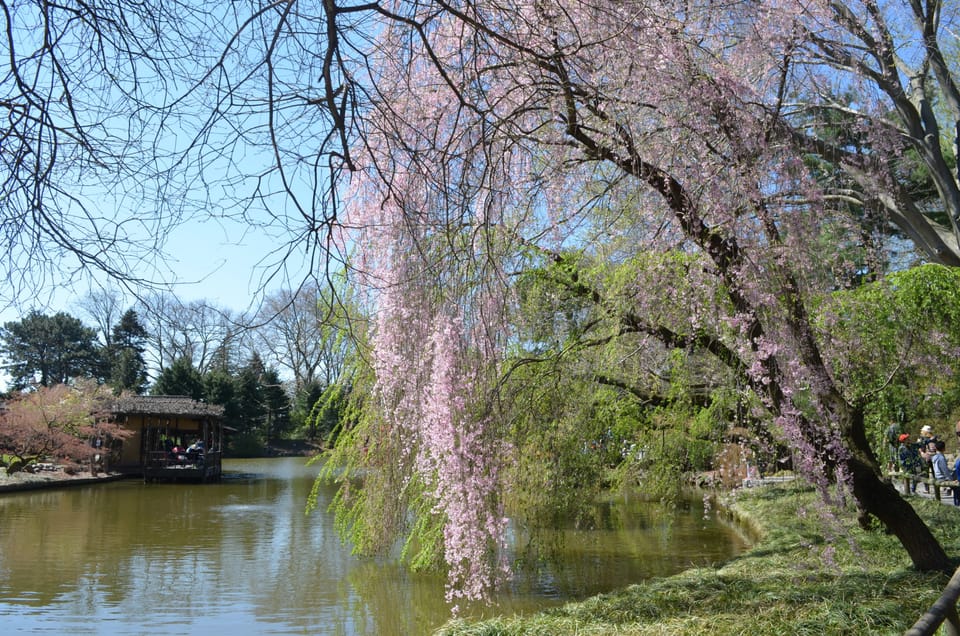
(162, 466)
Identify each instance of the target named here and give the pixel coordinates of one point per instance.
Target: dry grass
(807, 574)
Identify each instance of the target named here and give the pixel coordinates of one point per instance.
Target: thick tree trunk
(879, 498)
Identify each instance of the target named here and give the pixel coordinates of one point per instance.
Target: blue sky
(205, 260)
(214, 262)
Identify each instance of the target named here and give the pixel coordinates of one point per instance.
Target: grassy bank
(807, 574)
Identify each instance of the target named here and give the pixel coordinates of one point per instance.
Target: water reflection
(242, 557)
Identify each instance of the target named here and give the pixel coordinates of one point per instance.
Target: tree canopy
(499, 136)
(695, 199)
(48, 349)
(56, 422)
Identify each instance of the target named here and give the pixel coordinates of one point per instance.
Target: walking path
(926, 490)
(923, 490)
(946, 495)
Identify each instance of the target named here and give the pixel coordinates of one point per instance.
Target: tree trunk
(879, 498)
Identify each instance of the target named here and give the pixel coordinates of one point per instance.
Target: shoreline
(810, 571)
(20, 482)
(24, 481)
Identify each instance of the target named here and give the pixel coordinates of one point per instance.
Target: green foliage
(255, 403)
(49, 350)
(895, 345)
(710, 423)
(246, 444)
(423, 548)
(251, 410)
(670, 452)
(276, 406)
(180, 378)
(373, 500)
(377, 505)
(621, 414)
(128, 371)
(567, 434)
(900, 336)
(656, 418)
(124, 355)
(219, 387)
(553, 303)
(327, 415)
(304, 400)
(15, 464)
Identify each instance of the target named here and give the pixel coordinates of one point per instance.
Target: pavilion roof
(170, 405)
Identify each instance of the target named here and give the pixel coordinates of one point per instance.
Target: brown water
(241, 557)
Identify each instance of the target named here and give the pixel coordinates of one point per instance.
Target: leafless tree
(103, 306)
(302, 332)
(209, 336)
(77, 93)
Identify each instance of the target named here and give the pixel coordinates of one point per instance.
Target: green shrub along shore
(812, 570)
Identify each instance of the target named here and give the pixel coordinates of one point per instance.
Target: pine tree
(128, 369)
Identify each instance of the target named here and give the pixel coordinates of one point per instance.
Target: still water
(242, 557)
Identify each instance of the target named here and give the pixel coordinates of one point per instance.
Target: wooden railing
(910, 481)
(163, 459)
(944, 610)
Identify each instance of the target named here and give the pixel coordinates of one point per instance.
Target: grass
(811, 572)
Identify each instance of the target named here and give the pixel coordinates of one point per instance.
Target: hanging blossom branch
(459, 462)
(427, 394)
(428, 363)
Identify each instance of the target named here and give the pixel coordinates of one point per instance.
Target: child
(939, 461)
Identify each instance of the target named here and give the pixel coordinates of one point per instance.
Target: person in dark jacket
(908, 456)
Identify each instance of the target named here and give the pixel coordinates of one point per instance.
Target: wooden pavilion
(173, 438)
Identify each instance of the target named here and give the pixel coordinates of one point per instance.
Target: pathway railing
(944, 610)
(909, 482)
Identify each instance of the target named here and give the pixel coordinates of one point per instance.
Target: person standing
(956, 467)
(926, 435)
(909, 460)
(926, 445)
(941, 472)
(893, 443)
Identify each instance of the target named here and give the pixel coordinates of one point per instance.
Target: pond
(242, 557)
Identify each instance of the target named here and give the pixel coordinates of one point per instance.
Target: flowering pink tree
(427, 433)
(493, 128)
(772, 145)
(58, 422)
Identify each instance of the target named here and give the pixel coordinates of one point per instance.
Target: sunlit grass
(810, 572)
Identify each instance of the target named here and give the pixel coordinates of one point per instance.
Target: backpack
(893, 434)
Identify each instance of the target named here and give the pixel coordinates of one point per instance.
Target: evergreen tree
(219, 387)
(250, 397)
(128, 369)
(180, 378)
(276, 405)
(303, 401)
(49, 350)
